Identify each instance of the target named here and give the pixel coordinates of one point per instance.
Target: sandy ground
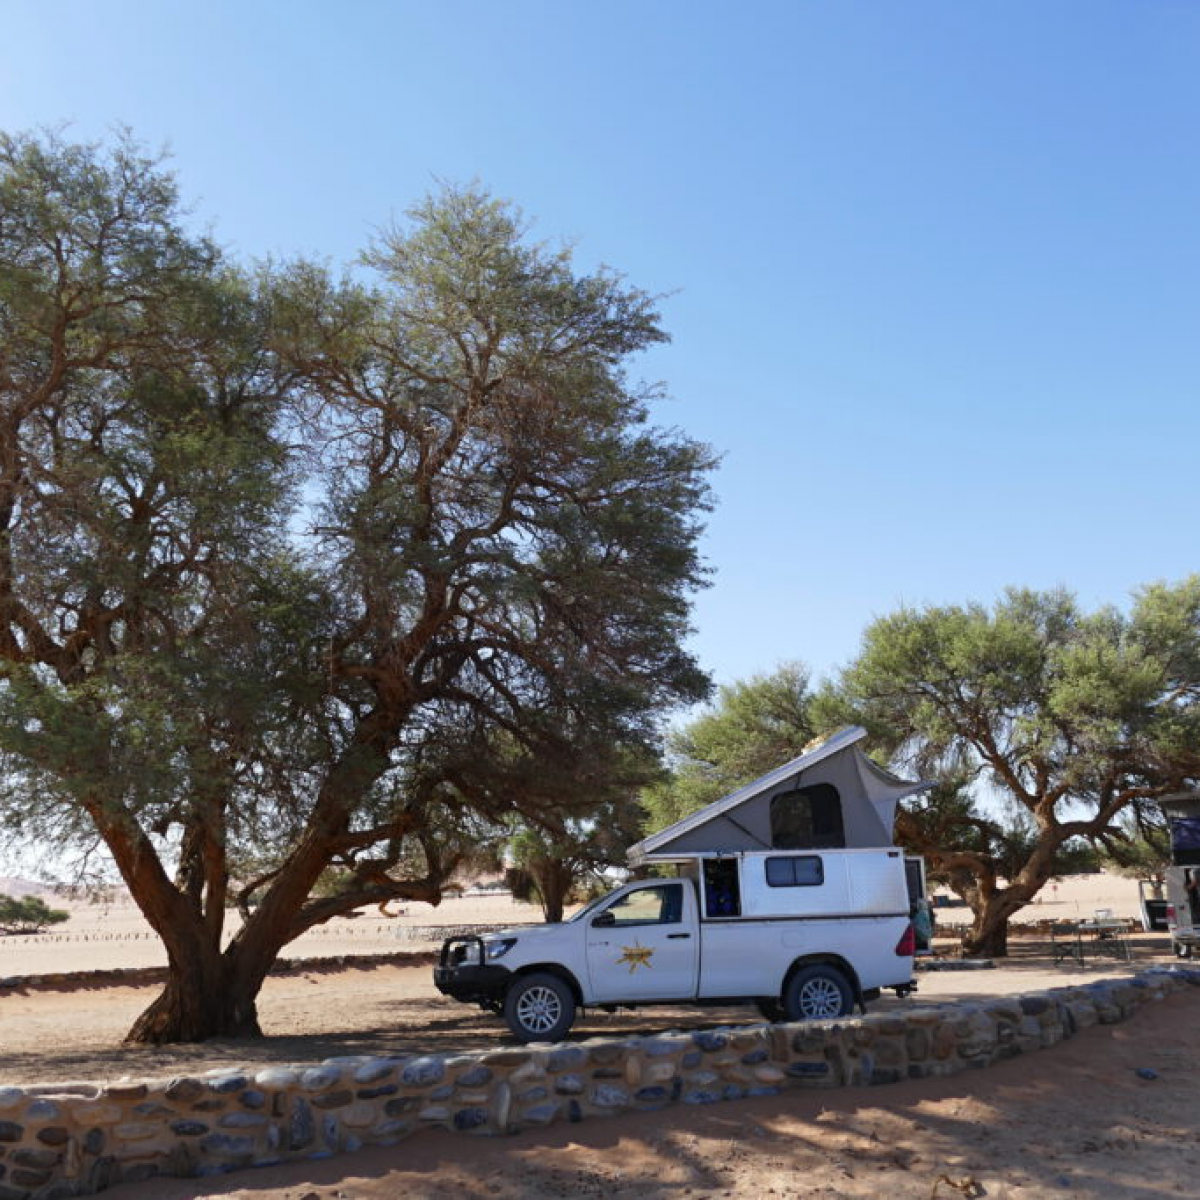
(1073, 1119)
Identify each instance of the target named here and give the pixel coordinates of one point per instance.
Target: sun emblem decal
(636, 956)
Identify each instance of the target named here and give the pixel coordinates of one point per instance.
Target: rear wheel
(539, 1008)
(817, 993)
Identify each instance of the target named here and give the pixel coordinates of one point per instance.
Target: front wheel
(817, 993)
(539, 1008)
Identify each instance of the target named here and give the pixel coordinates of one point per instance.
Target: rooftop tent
(831, 797)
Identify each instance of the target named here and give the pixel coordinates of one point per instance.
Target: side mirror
(603, 920)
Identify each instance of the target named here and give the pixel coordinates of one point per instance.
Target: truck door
(644, 946)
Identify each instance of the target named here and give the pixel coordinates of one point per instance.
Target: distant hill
(13, 885)
(18, 886)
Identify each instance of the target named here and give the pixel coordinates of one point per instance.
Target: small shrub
(28, 914)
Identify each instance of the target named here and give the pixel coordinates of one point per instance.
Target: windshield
(590, 907)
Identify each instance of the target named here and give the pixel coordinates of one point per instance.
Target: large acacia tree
(270, 542)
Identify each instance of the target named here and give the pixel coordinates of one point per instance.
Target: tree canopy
(1048, 730)
(286, 558)
(1043, 722)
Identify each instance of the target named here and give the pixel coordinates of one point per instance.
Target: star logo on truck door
(636, 956)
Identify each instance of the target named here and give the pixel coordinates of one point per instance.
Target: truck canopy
(832, 797)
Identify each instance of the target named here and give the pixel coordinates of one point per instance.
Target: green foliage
(29, 914)
(566, 860)
(1140, 846)
(141, 482)
(753, 727)
(1036, 686)
(307, 583)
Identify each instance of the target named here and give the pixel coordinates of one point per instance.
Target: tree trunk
(210, 993)
(988, 937)
(206, 996)
(554, 880)
(993, 907)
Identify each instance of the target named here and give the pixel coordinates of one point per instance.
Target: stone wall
(73, 1139)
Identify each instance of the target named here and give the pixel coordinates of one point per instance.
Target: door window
(648, 906)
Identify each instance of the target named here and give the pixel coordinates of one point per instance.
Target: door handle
(679, 935)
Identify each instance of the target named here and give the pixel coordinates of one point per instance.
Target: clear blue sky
(934, 268)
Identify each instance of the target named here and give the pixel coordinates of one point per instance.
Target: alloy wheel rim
(820, 998)
(539, 1009)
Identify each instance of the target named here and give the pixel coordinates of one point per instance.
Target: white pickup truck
(802, 935)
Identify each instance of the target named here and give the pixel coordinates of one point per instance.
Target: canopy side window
(799, 871)
(914, 876)
(808, 818)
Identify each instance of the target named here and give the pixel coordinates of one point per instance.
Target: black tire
(539, 1008)
(771, 1009)
(817, 993)
(1182, 949)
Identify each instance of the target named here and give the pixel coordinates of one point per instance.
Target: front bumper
(471, 982)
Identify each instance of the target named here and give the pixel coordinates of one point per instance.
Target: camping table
(1106, 936)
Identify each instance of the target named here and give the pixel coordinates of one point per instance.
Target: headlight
(499, 949)
(465, 955)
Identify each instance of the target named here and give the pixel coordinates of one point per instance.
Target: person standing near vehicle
(922, 921)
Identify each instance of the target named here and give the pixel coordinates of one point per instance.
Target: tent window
(808, 871)
(809, 818)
